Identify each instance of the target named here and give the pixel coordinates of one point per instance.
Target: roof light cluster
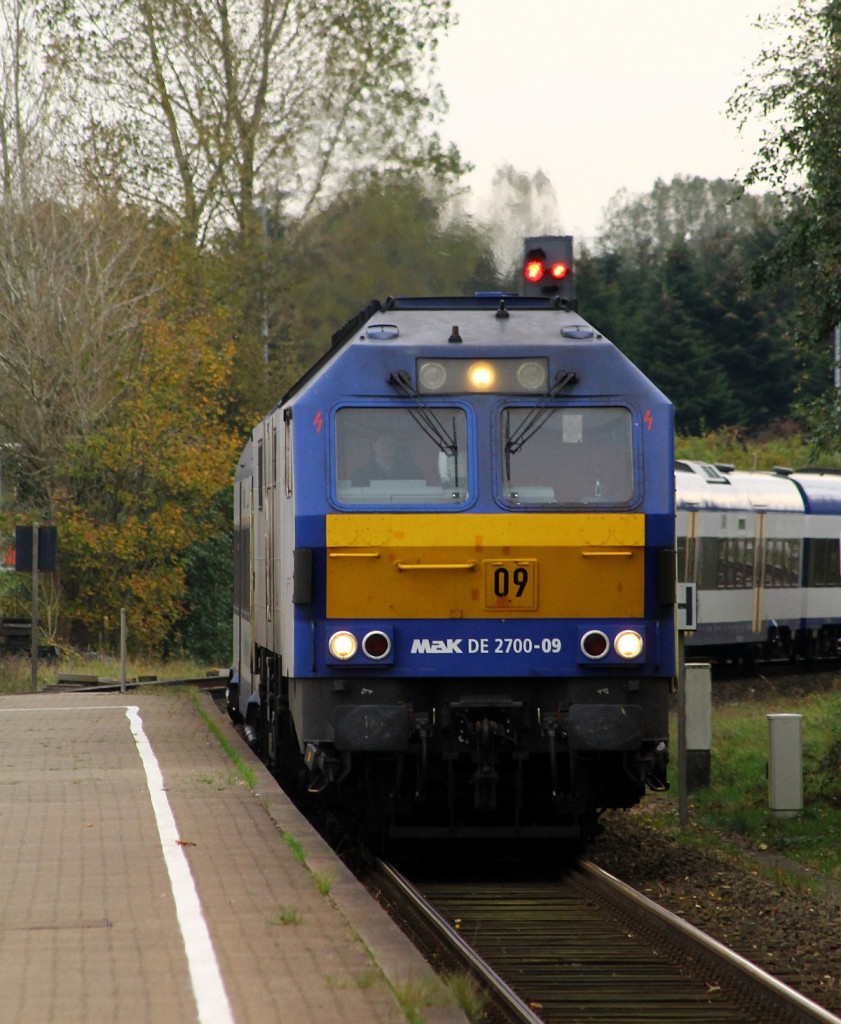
(489, 376)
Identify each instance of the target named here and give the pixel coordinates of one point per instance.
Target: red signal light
(533, 271)
(548, 269)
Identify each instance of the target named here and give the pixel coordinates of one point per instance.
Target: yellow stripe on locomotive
(485, 566)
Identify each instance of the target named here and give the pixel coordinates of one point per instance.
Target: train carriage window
(707, 563)
(401, 455)
(728, 563)
(745, 561)
(822, 559)
(686, 559)
(792, 563)
(782, 563)
(567, 456)
(773, 568)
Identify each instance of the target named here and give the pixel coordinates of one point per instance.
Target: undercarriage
(474, 764)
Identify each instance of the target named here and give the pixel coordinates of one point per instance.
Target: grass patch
(323, 881)
(296, 846)
(287, 916)
(418, 994)
(467, 995)
(245, 772)
(16, 669)
(735, 807)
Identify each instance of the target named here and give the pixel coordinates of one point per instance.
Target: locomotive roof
(491, 325)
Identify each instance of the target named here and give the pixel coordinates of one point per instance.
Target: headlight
(342, 645)
(376, 645)
(531, 376)
(595, 644)
(628, 644)
(481, 376)
(432, 376)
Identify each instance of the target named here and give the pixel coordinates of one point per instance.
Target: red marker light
(559, 271)
(533, 271)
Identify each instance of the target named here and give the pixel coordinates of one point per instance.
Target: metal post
(33, 649)
(682, 801)
(123, 637)
(686, 619)
(698, 725)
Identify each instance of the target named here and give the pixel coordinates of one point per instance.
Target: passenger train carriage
(763, 551)
(455, 571)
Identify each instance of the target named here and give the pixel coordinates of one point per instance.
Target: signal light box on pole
(547, 267)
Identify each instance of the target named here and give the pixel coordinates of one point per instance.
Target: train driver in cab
(387, 462)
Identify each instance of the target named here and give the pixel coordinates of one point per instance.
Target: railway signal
(547, 267)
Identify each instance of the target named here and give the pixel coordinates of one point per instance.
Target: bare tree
(198, 106)
(74, 290)
(28, 86)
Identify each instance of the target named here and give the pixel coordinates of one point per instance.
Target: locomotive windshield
(567, 455)
(401, 455)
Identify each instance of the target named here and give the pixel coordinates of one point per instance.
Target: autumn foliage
(138, 492)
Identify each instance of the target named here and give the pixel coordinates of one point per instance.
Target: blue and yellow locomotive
(455, 583)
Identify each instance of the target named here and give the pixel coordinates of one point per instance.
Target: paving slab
(143, 880)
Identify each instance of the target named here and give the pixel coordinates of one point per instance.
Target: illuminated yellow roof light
(481, 376)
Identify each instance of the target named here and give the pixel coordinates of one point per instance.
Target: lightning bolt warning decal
(648, 419)
(319, 422)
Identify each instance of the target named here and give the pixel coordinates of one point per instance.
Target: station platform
(143, 880)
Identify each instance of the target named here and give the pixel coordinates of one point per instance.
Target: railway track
(215, 684)
(584, 947)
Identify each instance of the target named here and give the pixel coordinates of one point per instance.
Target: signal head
(547, 267)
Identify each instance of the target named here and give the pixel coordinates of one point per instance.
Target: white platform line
(205, 976)
(208, 987)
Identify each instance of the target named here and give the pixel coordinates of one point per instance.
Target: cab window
(567, 455)
(401, 455)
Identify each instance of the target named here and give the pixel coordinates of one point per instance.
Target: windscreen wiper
(537, 416)
(425, 417)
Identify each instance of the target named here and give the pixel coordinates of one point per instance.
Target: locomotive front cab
(496, 637)
(469, 573)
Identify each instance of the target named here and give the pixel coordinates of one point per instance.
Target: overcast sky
(599, 94)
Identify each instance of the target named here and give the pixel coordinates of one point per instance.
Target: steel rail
(608, 936)
(799, 1005)
(501, 992)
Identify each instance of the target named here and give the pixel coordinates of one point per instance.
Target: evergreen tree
(683, 257)
(795, 86)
